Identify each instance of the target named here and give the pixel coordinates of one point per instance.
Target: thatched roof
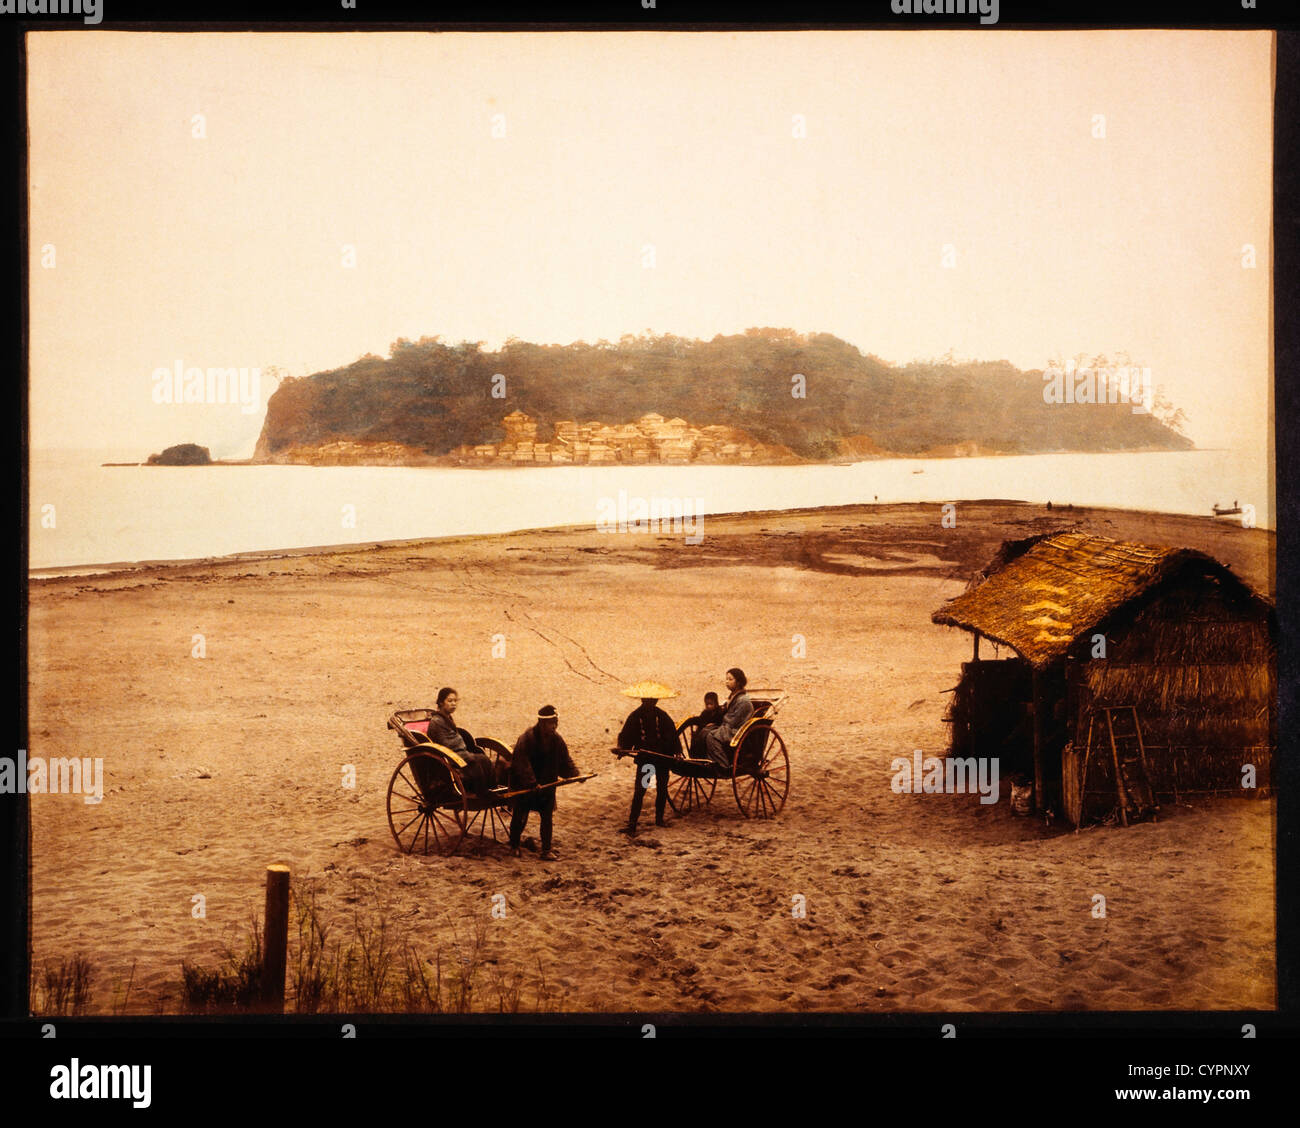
(1038, 595)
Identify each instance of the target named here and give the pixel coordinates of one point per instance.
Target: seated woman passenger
(714, 741)
(478, 773)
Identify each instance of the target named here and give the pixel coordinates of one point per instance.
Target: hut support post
(1038, 742)
(975, 657)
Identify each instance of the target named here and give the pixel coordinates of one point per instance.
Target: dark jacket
(652, 732)
(540, 757)
(710, 716)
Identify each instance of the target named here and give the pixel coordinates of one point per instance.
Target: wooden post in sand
(275, 937)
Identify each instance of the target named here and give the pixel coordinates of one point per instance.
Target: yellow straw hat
(658, 690)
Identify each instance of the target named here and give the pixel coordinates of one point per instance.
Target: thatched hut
(1093, 622)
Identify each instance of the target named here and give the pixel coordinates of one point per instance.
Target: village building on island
(651, 439)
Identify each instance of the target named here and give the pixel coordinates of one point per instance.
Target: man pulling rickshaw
(651, 729)
(735, 742)
(541, 759)
(452, 787)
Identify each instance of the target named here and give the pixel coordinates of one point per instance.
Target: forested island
(762, 396)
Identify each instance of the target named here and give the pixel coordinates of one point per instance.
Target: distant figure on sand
(540, 757)
(479, 773)
(714, 741)
(650, 729)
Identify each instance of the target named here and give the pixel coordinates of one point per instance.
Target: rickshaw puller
(540, 757)
(649, 729)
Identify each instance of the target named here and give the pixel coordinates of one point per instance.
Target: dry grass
(62, 989)
(361, 964)
(233, 986)
(122, 992)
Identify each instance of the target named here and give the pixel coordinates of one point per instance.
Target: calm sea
(83, 513)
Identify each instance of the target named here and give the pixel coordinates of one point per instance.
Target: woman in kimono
(479, 772)
(716, 743)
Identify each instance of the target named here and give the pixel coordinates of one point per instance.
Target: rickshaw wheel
(489, 824)
(760, 792)
(492, 822)
(685, 734)
(427, 806)
(500, 755)
(688, 793)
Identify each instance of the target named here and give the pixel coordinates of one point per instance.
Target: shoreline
(445, 462)
(120, 567)
(187, 465)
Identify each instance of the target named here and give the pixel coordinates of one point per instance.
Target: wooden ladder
(1128, 758)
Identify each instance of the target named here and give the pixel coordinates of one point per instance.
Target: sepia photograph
(650, 523)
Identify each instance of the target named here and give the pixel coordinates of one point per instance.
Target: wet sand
(217, 766)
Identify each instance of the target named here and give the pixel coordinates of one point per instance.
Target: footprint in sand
(833, 982)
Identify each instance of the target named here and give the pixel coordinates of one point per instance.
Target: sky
(299, 200)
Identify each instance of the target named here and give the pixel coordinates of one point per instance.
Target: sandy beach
(217, 766)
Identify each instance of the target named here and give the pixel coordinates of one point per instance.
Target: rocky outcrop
(348, 452)
(969, 449)
(183, 454)
(651, 439)
(861, 446)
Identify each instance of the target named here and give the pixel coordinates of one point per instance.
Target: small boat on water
(918, 471)
(1225, 511)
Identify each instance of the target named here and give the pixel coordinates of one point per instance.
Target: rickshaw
(431, 809)
(759, 771)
